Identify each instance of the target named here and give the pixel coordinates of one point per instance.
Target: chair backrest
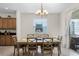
(31, 39)
(47, 39)
(37, 35)
(60, 38)
(45, 35)
(31, 43)
(47, 42)
(30, 35)
(41, 35)
(14, 40)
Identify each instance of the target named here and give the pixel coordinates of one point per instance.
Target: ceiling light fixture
(41, 12)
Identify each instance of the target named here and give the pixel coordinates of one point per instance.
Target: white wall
(6, 15)
(65, 19)
(53, 24)
(27, 23)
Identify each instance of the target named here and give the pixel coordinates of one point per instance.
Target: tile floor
(8, 51)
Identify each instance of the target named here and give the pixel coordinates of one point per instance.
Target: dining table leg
(18, 49)
(59, 49)
(25, 50)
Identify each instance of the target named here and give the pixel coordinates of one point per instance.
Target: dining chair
(32, 46)
(57, 43)
(16, 46)
(60, 39)
(47, 46)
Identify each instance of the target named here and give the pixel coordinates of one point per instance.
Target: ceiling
(33, 7)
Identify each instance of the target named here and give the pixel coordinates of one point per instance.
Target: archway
(74, 29)
(65, 21)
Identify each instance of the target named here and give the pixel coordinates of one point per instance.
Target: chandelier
(41, 12)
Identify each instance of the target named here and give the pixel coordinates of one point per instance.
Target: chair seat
(32, 47)
(47, 48)
(21, 46)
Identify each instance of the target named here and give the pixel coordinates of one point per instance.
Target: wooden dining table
(56, 43)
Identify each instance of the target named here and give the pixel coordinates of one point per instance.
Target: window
(74, 27)
(40, 25)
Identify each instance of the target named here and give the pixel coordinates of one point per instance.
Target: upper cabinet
(7, 23)
(13, 23)
(4, 23)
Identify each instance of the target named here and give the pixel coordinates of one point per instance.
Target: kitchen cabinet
(4, 23)
(7, 23)
(6, 40)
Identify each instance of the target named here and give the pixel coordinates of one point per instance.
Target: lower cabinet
(6, 40)
(7, 23)
(2, 40)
